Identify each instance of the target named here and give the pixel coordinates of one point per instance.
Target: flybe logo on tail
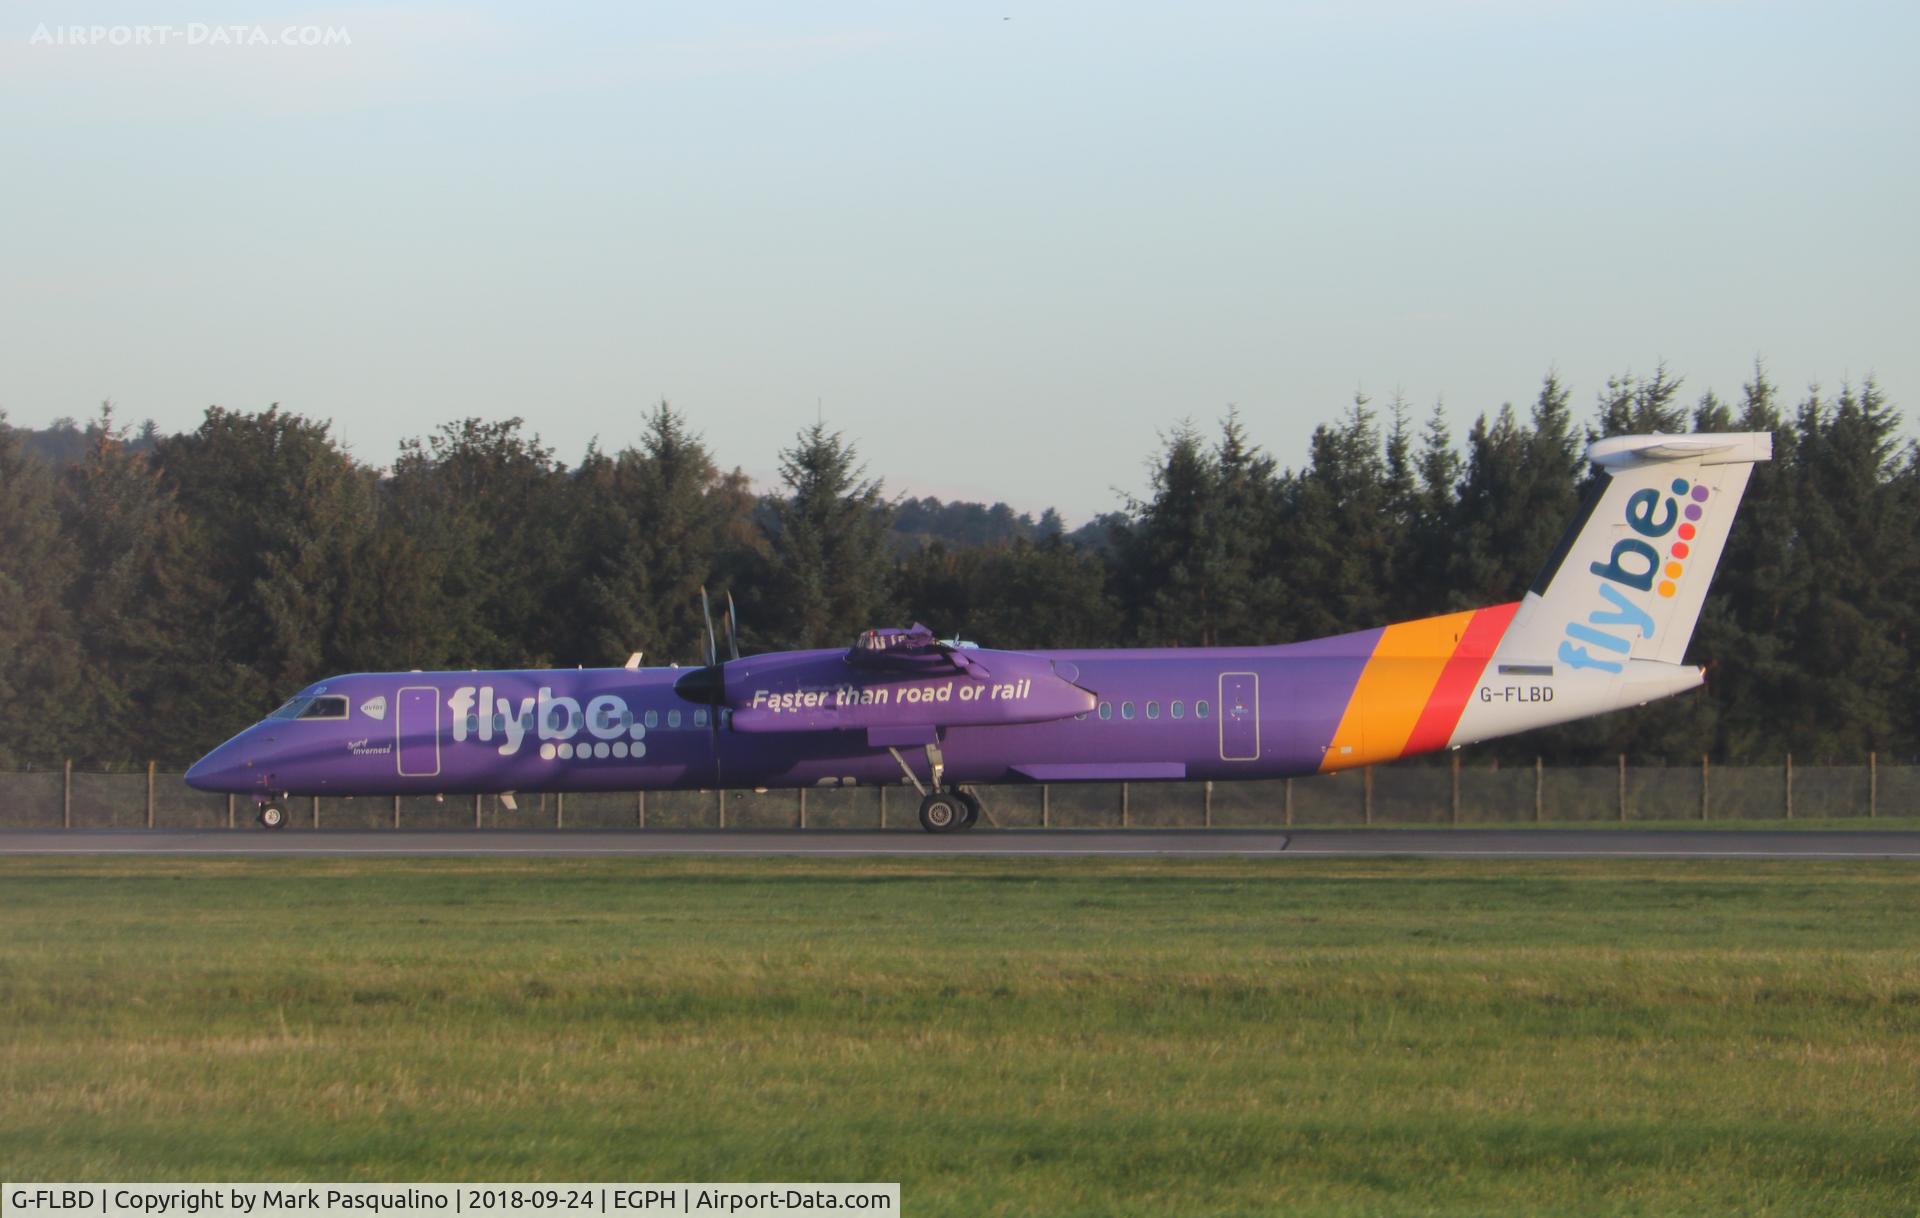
(1638, 565)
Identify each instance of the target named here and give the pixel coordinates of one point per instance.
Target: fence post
(476, 809)
(803, 807)
(229, 810)
(1454, 805)
(1366, 796)
(1206, 811)
(396, 811)
(1703, 786)
(883, 806)
(1539, 783)
(1623, 786)
(149, 795)
(722, 793)
(316, 811)
(1288, 801)
(1046, 806)
(1124, 817)
(559, 809)
(1789, 786)
(640, 807)
(66, 798)
(1873, 784)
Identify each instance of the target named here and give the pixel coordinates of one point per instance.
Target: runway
(1022, 843)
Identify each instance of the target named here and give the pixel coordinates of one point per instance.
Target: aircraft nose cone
(224, 769)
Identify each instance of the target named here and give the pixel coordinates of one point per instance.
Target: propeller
(733, 622)
(708, 682)
(706, 611)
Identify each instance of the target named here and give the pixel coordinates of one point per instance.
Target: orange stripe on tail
(1458, 679)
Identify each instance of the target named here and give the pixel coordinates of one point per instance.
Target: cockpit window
(330, 706)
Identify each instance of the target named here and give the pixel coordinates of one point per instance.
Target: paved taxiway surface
(1056, 843)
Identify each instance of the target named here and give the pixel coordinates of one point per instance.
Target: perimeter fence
(1402, 794)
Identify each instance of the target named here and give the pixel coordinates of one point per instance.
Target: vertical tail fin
(1627, 580)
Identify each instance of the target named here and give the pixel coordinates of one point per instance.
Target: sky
(1004, 248)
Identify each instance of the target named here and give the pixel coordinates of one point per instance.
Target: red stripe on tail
(1449, 697)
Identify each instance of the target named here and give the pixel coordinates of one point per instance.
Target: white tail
(1607, 622)
(1628, 579)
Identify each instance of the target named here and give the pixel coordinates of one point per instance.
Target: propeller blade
(706, 612)
(733, 638)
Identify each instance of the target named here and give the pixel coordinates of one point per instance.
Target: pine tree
(278, 509)
(40, 658)
(1336, 542)
(828, 575)
(157, 680)
(661, 522)
(1017, 594)
(486, 508)
(1854, 548)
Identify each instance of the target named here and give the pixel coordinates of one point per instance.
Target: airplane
(1604, 627)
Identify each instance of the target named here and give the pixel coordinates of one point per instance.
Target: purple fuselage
(803, 719)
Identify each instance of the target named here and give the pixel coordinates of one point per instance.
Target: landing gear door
(1239, 716)
(416, 731)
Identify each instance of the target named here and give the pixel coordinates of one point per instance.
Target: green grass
(1001, 1036)
(1827, 824)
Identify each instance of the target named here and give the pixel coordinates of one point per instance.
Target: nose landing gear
(949, 811)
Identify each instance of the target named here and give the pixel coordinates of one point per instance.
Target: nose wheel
(950, 811)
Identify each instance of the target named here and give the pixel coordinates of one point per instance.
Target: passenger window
(1153, 710)
(1106, 710)
(473, 724)
(1179, 709)
(499, 722)
(673, 718)
(557, 719)
(653, 718)
(699, 718)
(1126, 710)
(1200, 709)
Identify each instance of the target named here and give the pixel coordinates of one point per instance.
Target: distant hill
(65, 441)
(917, 523)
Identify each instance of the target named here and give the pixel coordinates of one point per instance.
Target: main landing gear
(949, 811)
(943, 809)
(273, 816)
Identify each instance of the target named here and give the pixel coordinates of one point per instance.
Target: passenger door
(416, 728)
(1239, 716)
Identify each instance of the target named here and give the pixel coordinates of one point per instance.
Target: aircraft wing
(901, 679)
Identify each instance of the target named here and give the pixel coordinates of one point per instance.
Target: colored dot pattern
(1675, 568)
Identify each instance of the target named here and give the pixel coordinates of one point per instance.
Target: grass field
(1001, 1036)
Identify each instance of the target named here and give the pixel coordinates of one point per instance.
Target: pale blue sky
(1005, 246)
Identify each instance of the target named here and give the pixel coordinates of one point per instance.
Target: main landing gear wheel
(942, 812)
(272, 817)
(971, 817)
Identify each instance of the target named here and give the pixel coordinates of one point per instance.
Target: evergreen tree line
(158, 593)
